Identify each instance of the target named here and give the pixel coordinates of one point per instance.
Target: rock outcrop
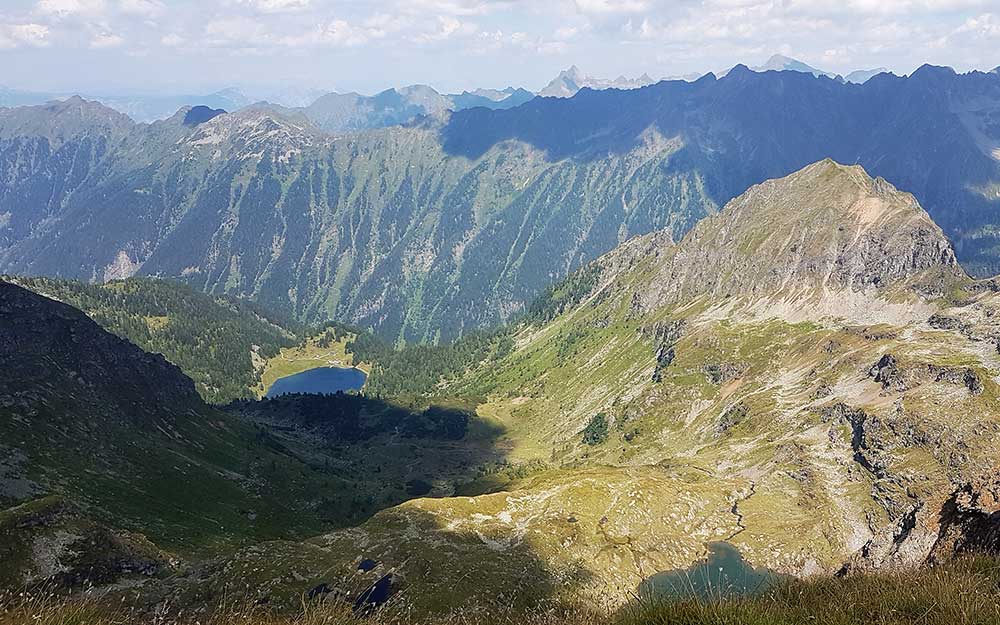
(821, 234)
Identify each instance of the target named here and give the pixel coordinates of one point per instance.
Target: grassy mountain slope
(122, 432)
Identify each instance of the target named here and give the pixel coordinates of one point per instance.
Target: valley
(815, 410)
(809, 376)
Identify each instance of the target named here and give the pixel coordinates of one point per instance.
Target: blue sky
(367, 45)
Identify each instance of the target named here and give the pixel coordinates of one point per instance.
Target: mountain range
(337, 111)
(427, 231)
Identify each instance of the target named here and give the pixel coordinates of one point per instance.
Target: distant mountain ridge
(781, 63)
(337, 111)
(329, 110)
(570, 81)
(351, 111)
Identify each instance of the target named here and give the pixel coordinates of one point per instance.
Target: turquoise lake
(723, 573)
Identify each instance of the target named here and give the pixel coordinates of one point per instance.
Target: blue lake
(321, 381)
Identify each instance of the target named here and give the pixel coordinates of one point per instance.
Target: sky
(196, 46)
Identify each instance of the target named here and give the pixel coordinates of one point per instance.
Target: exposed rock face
(49, 541)
(970, 518)
(892, 376)
(939, 527)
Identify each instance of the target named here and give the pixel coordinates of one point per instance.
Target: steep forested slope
(219, 343)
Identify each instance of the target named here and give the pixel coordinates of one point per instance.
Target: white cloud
(498, 41)
(142, 8)
(457, 7)
(336, 33)
(986, 25)
(102, 38)
(66, 8)
(16, 35)
(275, 6)
(611, 6)
(446, 27)
(246, 33)
(237, 32)
(172, 40)
(565, 33)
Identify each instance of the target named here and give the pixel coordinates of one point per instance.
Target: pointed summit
(781, 63)
(827, 228)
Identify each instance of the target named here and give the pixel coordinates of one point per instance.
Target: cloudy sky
(367, 45)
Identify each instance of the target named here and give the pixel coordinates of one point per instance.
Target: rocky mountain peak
(825, 230)
(254, 131)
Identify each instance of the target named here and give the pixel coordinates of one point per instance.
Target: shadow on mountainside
(122, 437)
(425, 562)
(743, 108)
(370, 454)
(748, 127)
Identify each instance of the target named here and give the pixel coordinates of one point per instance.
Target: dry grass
(966, 592)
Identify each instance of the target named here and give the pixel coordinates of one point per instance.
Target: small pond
(723, 573)
(321, 381)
